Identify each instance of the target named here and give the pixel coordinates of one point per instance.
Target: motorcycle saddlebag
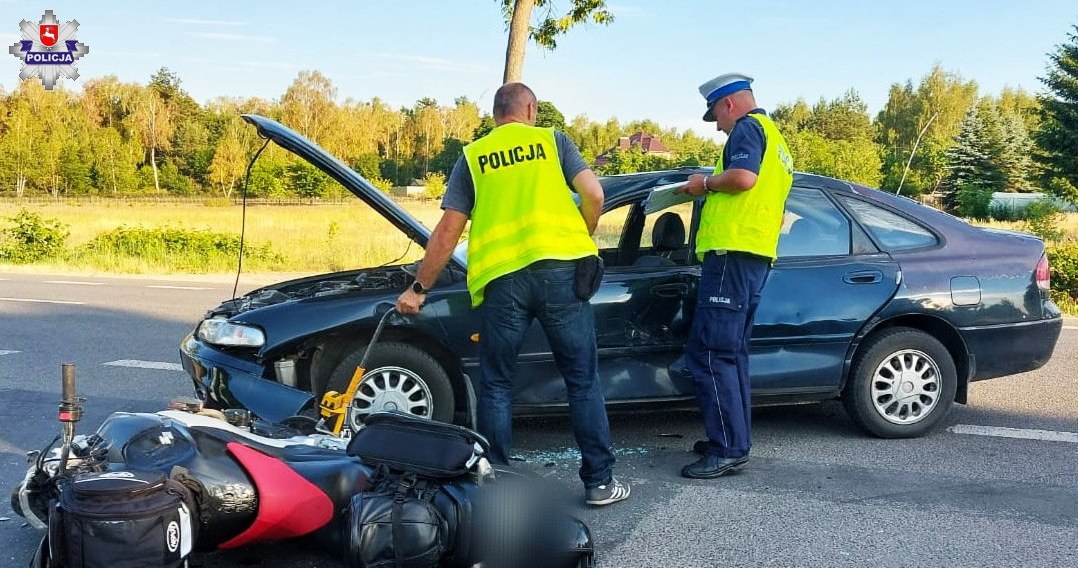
(427, 448)
(123, 519)
(395, 524)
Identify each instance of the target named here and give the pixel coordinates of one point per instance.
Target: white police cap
(721, 86)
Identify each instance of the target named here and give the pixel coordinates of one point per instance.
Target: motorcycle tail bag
(128, 519)
(427, 448)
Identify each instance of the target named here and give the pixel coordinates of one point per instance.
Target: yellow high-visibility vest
(524, 210)
(750, 221)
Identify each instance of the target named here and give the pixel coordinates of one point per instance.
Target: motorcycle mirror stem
(70, 410)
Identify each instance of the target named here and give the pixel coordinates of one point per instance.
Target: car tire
(902, 384)
(398, 376)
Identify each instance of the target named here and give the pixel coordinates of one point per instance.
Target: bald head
(514, 102)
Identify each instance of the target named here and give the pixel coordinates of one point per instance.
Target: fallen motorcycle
(162, 485)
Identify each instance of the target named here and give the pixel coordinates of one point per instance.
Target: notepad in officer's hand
(665, 196)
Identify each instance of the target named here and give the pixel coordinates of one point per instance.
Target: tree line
(937, 135)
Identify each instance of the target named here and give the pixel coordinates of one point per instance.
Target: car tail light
(1043, 274)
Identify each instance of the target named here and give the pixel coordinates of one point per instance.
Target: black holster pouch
(588, 276)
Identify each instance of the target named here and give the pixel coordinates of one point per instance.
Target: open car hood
(314, 154)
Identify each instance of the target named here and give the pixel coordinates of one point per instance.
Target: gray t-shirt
(460, 190)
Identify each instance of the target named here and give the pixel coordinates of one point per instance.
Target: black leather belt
(550, 263)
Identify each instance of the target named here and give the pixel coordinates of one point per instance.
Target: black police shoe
(709, 467)
(701, 446)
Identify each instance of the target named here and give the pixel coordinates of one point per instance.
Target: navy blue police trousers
(717, 351)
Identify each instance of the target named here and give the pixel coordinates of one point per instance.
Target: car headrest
(804, 229)
(669, 232)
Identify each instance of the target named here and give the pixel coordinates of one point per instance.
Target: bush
(435, 184)
(32, 238)
(177, 247)
(1043, 219)
(1005, 212)
(1063, 258)
(381, 183)
(307, 180)
(973, 201)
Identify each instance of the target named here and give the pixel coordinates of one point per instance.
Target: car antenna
(243, 215)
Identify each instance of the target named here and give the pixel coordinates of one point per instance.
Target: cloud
(436, 63)
(233, 37)
(196, 22)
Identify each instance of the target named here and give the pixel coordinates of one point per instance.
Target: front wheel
(902, 384)
(398, 377)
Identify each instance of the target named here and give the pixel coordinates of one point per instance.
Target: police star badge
(48, 50)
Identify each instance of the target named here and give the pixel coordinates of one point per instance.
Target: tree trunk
(153, 163)
(519, 28)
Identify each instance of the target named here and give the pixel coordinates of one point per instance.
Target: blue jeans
(717, 352)
(543, 290)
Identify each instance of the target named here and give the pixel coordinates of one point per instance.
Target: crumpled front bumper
(223, 380)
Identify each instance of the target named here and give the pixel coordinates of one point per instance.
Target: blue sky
(647, 64)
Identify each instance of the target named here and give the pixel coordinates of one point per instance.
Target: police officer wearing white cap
(737, 240)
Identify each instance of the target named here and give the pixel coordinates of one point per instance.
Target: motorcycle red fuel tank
(288, 505)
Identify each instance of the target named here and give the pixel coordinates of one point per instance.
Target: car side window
(892, 231)
(813, 226)
(608, 231)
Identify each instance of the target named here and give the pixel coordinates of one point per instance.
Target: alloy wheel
(388, 389)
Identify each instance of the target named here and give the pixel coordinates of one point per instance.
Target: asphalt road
(817, 491)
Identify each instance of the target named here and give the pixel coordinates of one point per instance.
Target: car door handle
(670, 290)
(863, 277)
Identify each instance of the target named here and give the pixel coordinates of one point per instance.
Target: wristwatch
(418, 288)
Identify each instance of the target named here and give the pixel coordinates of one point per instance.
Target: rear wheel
(902, 384)
(398, 377)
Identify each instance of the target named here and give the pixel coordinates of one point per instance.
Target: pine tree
(1058, 137)
(966, 160)
(1016, 161)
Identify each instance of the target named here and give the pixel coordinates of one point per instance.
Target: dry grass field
(306, 238)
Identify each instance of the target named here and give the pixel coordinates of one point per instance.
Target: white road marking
(159, 365)
(74, 282)
(180, 287)
(1022, 433)
(1070, 327)
(42, 301)
(7, 352)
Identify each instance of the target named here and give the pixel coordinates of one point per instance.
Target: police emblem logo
(49, 49)
(47, 34)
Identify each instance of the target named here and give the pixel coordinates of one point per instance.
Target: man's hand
(694, 186)
(409, 302)
(733, 180)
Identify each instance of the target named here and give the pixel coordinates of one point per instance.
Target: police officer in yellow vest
(737, 241)
(526, 239)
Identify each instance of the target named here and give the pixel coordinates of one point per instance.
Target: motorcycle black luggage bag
(395, 524)
(123, 519)
(427, 448)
